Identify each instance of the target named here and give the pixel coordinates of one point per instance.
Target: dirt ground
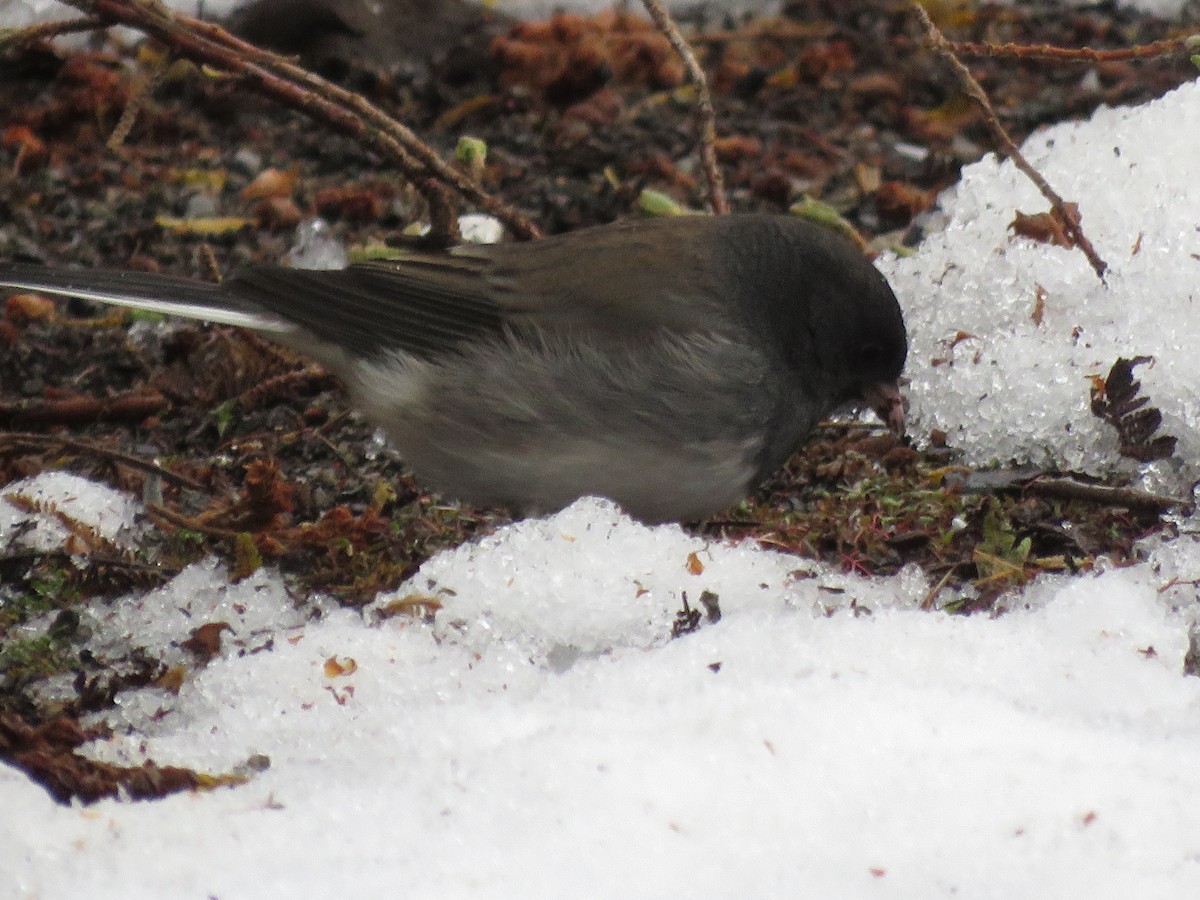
(258, 458)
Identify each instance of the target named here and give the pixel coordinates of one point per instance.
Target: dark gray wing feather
(426, 305)
(623, 282)
(425, 310)
(103, 284)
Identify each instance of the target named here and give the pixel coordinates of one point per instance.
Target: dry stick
(296, 87)
(708, 117)
(931, 597)
(975, 91)
(17, 438)
(179, 520)
(1153, 50)
(94, 561)
(131, 406)
(774, 29)
(47, 30)
(133, 105)
(1130, 498)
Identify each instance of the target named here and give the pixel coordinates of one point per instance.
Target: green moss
(33, 658)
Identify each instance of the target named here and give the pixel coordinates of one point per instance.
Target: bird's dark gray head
(830, 312)
(868, 327)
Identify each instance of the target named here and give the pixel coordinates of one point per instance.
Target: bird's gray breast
(670, 427)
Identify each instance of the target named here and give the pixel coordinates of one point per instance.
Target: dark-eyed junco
(668, 364)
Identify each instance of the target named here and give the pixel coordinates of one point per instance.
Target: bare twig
(308, 378)
(208, 260)
(1130, 498)
(931, 597)
(975, 91)
(47, 30)
(132, 406)
(160, 515)
(18, 438)
(1170, 47)
(133, 105)
(770, 28)
(292, 85)
(134, 568)
(708, 117)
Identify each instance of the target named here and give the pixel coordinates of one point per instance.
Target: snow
(987, 286)
(544, 736)
(32, 522)
(1047, 752)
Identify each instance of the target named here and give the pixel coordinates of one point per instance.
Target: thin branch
(47, 30)
(770, 28)
(940, 45)
(160, 515)
(133, 105)
(1130, 498)
(931, 597)
(131, 406)
(132, 567)
(707, 115)
(294, 86)
(17, 438)
(1170, 47)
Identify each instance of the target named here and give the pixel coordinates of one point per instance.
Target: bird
(667, 364)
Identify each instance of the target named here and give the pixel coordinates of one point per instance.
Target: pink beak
(884, 398)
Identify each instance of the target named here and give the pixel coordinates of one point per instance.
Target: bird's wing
(424, 305)
(625, 282)
(166, 294)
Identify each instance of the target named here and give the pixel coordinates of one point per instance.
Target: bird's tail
(143, 290)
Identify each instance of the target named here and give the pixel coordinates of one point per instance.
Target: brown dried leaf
(1039, 306)
(338, 668)
(21, 308)
(898, 202)
(212, 226)
(271, 183)
(1117, 400)
(1046, 228)
(352, 204)
(420, 606)
(205, 642)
